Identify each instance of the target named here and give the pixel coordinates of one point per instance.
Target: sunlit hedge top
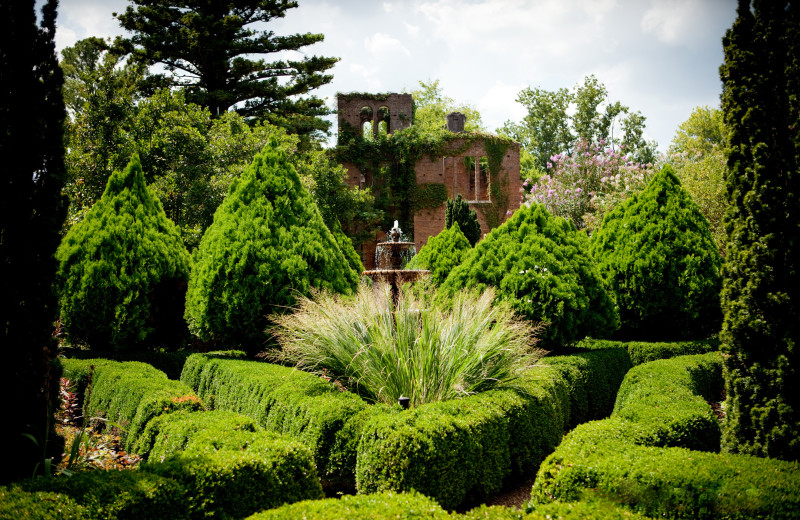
(267, 243)
(121, 269)
(443, 253)
(656, 252)
(542, 265)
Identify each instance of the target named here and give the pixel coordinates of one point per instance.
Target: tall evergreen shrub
(761, 289)
(657, 254)
(123, 270)
(443, 253)
(457, 210)
(32, 211)
(542, 265)
(267, 243)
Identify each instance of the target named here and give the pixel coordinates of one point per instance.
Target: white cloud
(380, 43)
(387, 7)
(365, 75)
(413, 30)
(677, 22)
(499, 104)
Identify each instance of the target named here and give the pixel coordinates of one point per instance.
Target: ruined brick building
(491, 184)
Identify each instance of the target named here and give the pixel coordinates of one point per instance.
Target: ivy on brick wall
(390, 160)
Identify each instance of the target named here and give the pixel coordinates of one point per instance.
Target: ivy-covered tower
(761, 290)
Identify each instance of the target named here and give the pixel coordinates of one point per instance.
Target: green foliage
(443, 253)
(419, 348)
(645, 351)
(761, 77)
(229, 467)
(284, 400)
(668, 400)
(101, 90)
(208, 51)
(599, 459)
(458, 211)
(122, 270)
(267, 244)
(593, 378)
(656, 253)
(378, 506)
(697, 153)
(32, 210)
(461, 451)
(124, 495)
(127, 395)
(430, 196)
(541, 265)
(559, 119)
(39, 505)
(431, 107)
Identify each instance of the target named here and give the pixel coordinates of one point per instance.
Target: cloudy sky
(657, 56)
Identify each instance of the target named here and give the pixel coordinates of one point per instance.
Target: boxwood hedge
(286, 400)
(623, 458)
(644, 351)
(128, 394)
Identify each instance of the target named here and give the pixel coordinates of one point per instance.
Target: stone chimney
(455, 122)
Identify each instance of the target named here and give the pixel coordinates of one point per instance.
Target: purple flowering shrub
(585, 185)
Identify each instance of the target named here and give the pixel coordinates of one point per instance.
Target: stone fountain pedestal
(389, 260)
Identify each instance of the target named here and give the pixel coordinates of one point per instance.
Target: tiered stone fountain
(389, 258)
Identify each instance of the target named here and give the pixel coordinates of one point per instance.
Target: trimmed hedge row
(285, 400)
(612, 459)
(390, 506)
(128, 394)
(465, 450)
(201, 464)
(456, 451)
(602, 458)
(593, 377)
(15, 503)
(668, 398)
(645, 351)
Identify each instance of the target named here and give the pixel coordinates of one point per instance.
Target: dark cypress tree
(760, 298)
(458, 210)
(267, 244)
(123, 270)
(32, 211)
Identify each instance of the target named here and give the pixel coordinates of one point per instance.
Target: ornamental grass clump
(422, 348)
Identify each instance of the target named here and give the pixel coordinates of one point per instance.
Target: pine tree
(656, 252)
(760, 297)
(443, 253)
(32, 211)
(542, 265)
(267, 243)
(123, 270)
(208, 47)
(459, 211)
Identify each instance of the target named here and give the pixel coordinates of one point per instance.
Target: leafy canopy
(123, 269)
(208, 48)
(267, 244)
(541, 265)
(656, 253)
(559, 119)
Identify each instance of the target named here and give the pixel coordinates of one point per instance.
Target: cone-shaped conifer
(657, 254)
(267, 243)
(123, 270)
(443, 253)
(542, 264)
(458, 210)
(761, 289)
